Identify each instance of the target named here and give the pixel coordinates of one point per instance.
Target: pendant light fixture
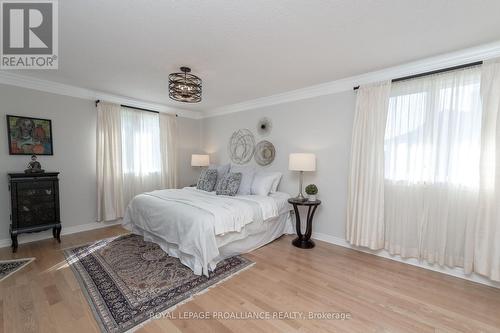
(184, 87)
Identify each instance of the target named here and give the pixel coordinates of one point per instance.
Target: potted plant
(311, 191)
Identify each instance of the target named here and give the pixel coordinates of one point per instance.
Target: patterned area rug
(9, 267)
(127, 280)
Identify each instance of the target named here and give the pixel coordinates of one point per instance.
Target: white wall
(321, 125)
(74, 139)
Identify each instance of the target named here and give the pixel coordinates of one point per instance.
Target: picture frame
(29, 136)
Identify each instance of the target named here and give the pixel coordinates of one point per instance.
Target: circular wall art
(264, 126)
(241, 146)
(264, 153)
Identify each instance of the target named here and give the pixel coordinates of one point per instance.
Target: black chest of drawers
(34, 204)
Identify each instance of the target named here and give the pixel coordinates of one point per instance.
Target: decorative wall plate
(264, 126)
(264, 153)
(241, 146)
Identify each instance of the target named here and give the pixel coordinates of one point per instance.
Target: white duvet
(189, 220)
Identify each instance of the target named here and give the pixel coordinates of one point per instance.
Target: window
(141, 156)
(433, 131)
(140, 143)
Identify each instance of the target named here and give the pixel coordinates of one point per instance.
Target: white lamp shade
(302, 162)
(200, 160)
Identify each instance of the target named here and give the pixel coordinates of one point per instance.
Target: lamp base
(300, 197)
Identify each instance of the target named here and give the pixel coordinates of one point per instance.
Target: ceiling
(249, 49)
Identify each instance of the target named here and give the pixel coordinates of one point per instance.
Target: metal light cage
(184, 87)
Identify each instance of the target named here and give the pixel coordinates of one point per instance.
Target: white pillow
(262, 183)
(247, 174)
(277, 179)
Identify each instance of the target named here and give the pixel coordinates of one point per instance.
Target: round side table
(304, 240)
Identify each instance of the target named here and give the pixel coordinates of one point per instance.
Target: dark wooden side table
(34, 204)
(304, 240)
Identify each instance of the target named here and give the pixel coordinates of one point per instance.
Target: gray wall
(189, 142)
(321, 125)
(74, 132)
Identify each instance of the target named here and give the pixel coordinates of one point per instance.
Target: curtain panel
(365, 212)
(109, 162)
(168, 146)
(487, 231)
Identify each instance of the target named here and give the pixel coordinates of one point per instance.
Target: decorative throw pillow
(221, 171)
(207, 180)
(229, 184)
(247, 174)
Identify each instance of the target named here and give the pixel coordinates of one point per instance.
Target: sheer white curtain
(432, 152)
(487, 235)
(168, 146)
(136, 153)
(365, 211)
(142, 160)
(109, 162)
(440, 201)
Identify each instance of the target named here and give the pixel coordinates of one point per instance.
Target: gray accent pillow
(229, 184)
(247, 174)
(207, 180)
(221, 171)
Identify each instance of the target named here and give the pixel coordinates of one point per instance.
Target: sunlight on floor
(70, 260)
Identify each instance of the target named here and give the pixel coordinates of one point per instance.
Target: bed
(202, 228)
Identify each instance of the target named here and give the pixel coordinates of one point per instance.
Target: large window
(433, 131)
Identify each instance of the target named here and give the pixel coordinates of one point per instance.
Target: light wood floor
(381, 295)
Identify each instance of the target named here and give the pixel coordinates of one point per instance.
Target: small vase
(312, 197)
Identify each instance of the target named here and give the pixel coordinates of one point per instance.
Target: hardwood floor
(379, 294)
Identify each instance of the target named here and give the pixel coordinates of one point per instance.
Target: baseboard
(456, 272)
(27, 238)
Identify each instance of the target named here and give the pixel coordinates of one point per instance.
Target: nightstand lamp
(200, 160)
(301, 162)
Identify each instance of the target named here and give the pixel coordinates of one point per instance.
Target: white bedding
(228, 214)
(195, 225)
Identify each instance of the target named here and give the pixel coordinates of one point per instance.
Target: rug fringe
(190, 298)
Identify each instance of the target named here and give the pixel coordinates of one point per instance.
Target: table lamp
(301, 162)
(200, 160)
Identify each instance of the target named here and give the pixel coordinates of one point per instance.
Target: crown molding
(17, 80)
(477, 53)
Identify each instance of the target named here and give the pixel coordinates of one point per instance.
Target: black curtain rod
(135, 108)
(443, 70)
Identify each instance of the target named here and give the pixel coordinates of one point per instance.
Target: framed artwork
(29, 136)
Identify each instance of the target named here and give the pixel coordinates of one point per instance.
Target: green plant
(311, 189)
